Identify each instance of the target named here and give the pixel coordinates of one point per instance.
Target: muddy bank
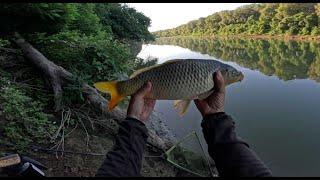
(94, 146)
(87, 165)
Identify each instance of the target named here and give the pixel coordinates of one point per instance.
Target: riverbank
(93, 134)
(264, 37)
(276, 37)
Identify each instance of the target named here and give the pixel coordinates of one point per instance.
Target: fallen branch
(59, 77)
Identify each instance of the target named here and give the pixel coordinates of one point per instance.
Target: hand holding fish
(141, 107)
(215, 101)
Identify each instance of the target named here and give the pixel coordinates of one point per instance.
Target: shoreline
(305, 38)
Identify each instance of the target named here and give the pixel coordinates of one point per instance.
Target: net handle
(208, 162)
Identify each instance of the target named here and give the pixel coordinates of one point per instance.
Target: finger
(219, 83)
(199, 103)
(150, 103)
(148, 108)
(146, 88)
(196, 102)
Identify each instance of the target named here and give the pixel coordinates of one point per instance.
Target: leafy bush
(27, 122)
(93, 57)
(35, 17)
(125, 22)
(4, 43)
(85, 19)
(315, 31)
(90, 40)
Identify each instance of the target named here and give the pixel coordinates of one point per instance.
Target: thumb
(145, 89)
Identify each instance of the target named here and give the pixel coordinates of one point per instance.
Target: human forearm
(126, 156)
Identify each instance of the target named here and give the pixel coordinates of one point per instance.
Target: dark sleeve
(232, 156)
(126, 156)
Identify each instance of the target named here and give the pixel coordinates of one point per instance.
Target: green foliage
(27, 122)
(86, 20)
(90, 40)
(317, 9)
(125, 22)
(254, 19)
(315, 31)
(87, 39)
(35, 17)
(314, 70)
(27, 18)
(4, 42)
(290, 9)
(93, 57)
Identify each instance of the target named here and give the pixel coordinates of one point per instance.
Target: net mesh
(188, 155)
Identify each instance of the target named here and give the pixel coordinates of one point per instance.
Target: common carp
(180, 79)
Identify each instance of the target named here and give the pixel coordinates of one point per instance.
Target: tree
(30, 17)
(269, 18)
(86, 20)
(317, 9)
(289, 9)
(125, 22)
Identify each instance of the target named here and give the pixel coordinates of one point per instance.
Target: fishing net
(188, 154)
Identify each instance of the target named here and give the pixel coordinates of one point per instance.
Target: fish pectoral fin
(181, 106)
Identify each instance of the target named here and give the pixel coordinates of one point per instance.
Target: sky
(170, 15)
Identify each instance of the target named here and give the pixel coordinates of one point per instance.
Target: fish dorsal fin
(139, 71)
(181, 106)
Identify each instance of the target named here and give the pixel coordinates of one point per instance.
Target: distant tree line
(285, 59)
(255, 19)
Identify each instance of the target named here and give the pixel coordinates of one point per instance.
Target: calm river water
(276, 107)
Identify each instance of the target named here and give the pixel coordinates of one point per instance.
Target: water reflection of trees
(142, 63)
(285, 59)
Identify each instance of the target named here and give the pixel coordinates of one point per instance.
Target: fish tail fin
(111, 88)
